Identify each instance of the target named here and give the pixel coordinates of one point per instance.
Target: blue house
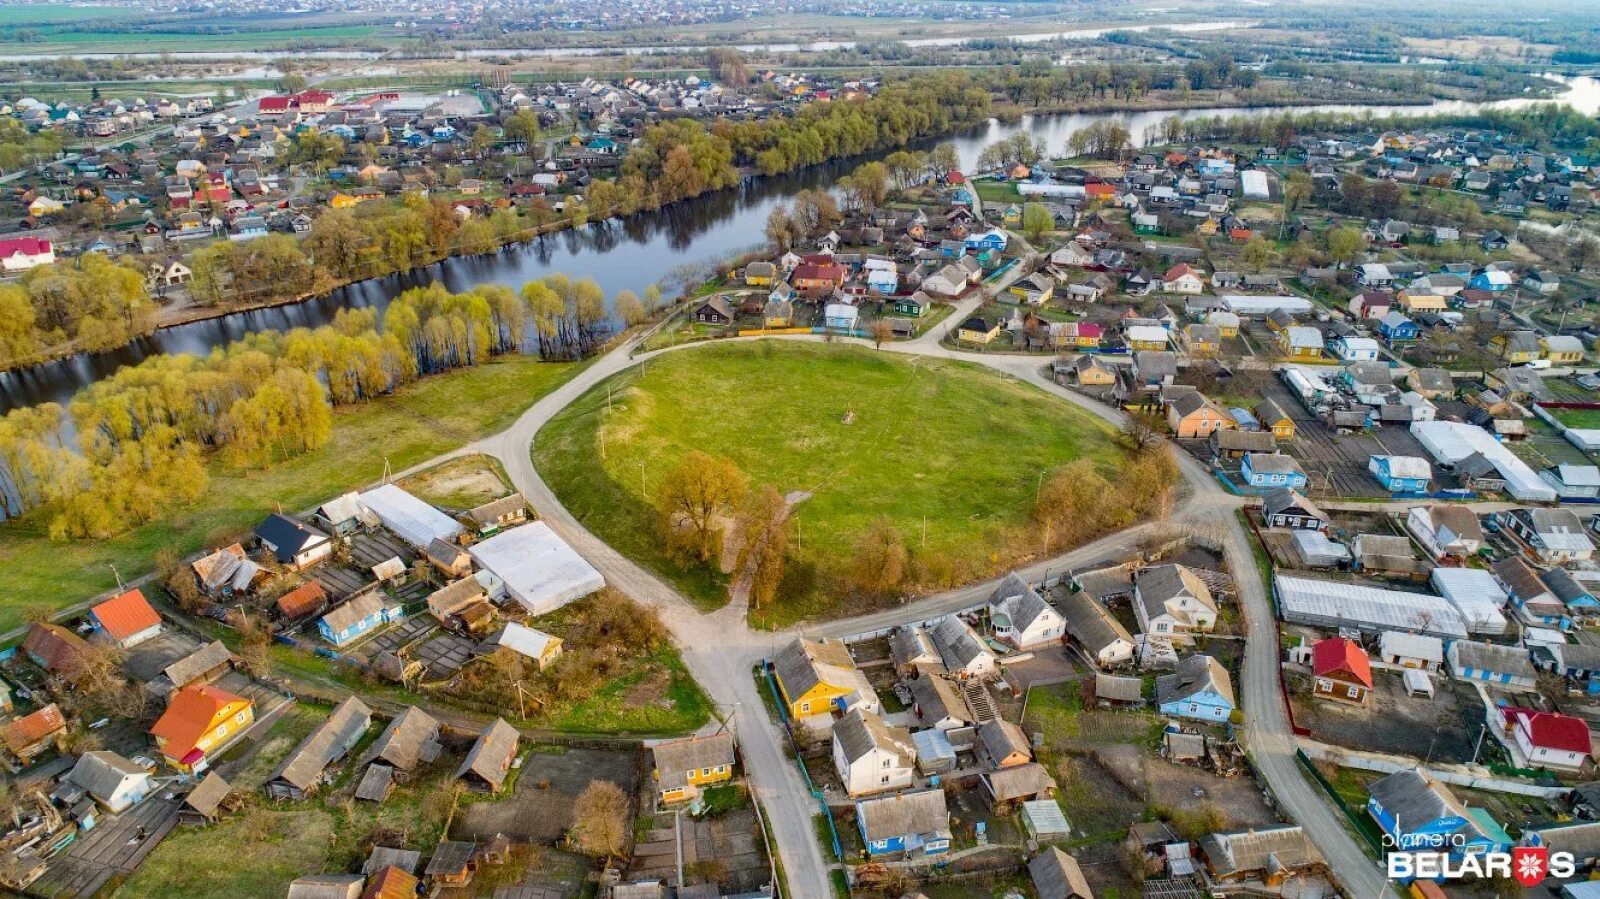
(914, 824)
(1492, 280)
(1401, 474)
(1573, 593)
(602, 145)
(1271, 470)
(356, 618)
(961, 197)
(1418, 813)
(1200, 688)
(993, 239)
(417, 140)
(444, 132)
(1395, 326)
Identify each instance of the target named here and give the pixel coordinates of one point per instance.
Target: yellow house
(198, 723)
(1516, 347)
(1422, 302)
(1562, 350)
(345, 201)
(1202, 341)
(682, 767)
(1092, 372)
(815, 676)
(760, 274)
(978, 330)
(1207, 227)
(45, 206)
(1274, 419)
(1300, 342)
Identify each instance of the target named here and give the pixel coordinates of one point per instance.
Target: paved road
(720, 649)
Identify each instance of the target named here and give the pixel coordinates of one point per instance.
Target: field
(950, 453)
(422, 420)
(1582, 419)
(460, 483)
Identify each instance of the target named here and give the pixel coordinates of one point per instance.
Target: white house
(111, 780)
(1445, 530)
(1416, 651)
(1171, 601)
(871, 756)
(963, 651)
(1182, 279)
(18, 254)
(1022, 618)
(1548, 739)
(1356, 349)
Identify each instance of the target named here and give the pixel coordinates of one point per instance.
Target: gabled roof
(190, 714)
(59, 650)
(1551, 730)
(302, 600)
(490, 757)
(207, 797)
(1195, 674)
(354, 611)
(125, 615)
(330, 741)
(391, 883)
(1056, 875)
(1336, 655)
(1001, 739)
(412, 737)
(20, 733)
(903, 814)
(674, 759)
(860, 732)
(1272, 850)
(1092, 624)
(805, 663)
(196, 663)
(1021, 602)
(101, 773)
(288, 536)
(1019, 781)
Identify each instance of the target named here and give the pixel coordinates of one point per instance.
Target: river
(623, 253)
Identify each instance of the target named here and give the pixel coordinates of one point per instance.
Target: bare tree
(880, 331)
(600, 820)
(880, 558)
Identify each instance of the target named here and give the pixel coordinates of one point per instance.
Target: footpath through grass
(423, 419)
(939, 447)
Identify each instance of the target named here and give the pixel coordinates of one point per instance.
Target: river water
(623, 253)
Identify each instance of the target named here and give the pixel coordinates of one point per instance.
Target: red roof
(1090, 329)
(30, 729)
(311, 96)
(955, 178)
(125, 615)
(831, 272)
(1337, 655)
(1178, 271)
(1099, 189)
(274, 104)
(28, 246)
(302, 600)
(1552, 730)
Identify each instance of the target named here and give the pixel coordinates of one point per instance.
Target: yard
(460, 483)
(950, 454)
(1582, 419)
(422, 420)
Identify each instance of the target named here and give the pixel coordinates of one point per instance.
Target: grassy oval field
(940, 447)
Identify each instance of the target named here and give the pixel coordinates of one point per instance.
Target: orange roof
(391, 883)
(189, 715)
(302, 600)
(1178, 271)
(1336, 655)
(30, 729)
(125, 615)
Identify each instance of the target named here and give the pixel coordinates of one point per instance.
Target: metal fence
(788, 729)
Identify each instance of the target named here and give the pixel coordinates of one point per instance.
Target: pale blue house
(1401, 474)
(1272, 470)
(915, 824)
(1200, 689)
(356, 618)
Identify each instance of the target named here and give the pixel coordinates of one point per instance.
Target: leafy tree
(1258, 253)
(521, 127)
(763, 528)
(1345, 245)
(693, 499)
(1036, 219)
(879, 564)
(629, 308)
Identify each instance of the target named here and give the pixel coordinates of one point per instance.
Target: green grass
(997, 192)
(1583, 419)
(686, 706)
(945, 443)
(424, 419)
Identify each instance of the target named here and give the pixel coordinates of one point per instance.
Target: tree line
(143, 434)
(91, 302)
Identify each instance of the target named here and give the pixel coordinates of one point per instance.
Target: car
(1538, 364)
(1589, 381)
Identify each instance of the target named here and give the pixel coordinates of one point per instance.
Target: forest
(143, 434)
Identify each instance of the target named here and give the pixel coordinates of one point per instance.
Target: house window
(805, 706)
(885, 763)
(884, 779)
(1194, 707)
(1355, 692)
(222, 730)
(239, 717)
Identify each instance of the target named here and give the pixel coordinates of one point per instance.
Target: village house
(1008, 787)
(293, 543)
(1191, 416)
(305, 769)
(32, 735)
(1171, 601)
(1268, 855)
(111, 780)
(1401, 474)
(1445, 530)
(1271, 470)
(964, 653)
(1551, 536)
(1181, 278)
(1200, 688)
(488, 762)
(1547, 739)
(1096, 631)
(937, 702)
(870, 755)
(125, 620)
(1412, 809)
(683, 767)
(1288, 509)
(200, 722)
(1021, 617)
(411, 739)
(1272, 417)
(913, 824)
(536, 646)
(497, 514)
(1418, 652)
(816, 677)
(1341, 671)
(357, 618)
(1004, 744)
(1491, 664)
(1056, 875)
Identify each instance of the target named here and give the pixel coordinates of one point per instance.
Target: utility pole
(115, 573)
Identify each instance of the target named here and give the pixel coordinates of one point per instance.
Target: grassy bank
(423, 419)
(951, 453)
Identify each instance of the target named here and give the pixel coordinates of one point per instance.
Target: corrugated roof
(490, 757)
(411, 737)
(674, 759)
(330, 741)
(125, 615)
(904, 814)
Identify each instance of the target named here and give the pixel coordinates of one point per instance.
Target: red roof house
(274, 104)
(126, 619)
(1548, 739)
(1341, 671)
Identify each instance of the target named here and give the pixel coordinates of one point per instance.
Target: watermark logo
(1527, 865)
